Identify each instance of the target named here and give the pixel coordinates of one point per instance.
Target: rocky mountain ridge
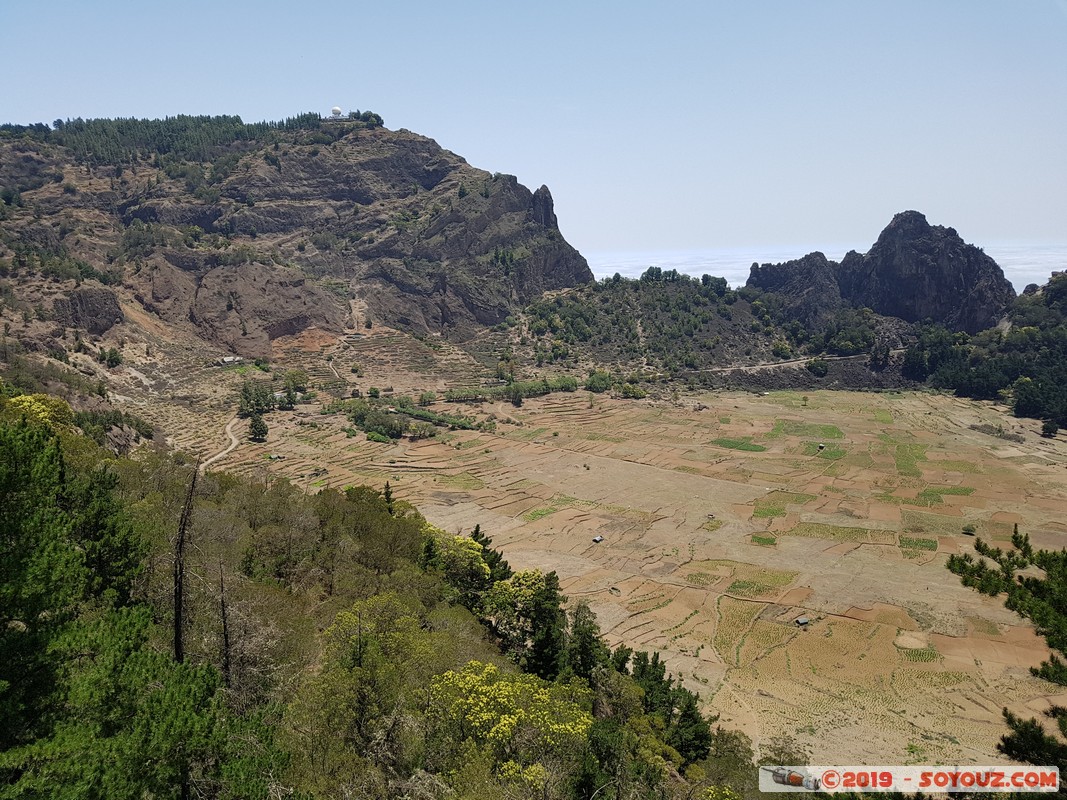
(329, 224)
(914, 271)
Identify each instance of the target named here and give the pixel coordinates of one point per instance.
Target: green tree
(526, 612)
(689, 733)
(90, 708)
(257, 428)
(255, 397)
(1034, 583)
(295, 380)
(585, 648)
(598, 381)
(494, 559)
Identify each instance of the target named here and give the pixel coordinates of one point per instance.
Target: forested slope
(331, 645)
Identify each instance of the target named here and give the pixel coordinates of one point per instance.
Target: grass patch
(702, 578)
(830, 452)
(711, 525)
(921, 522)
(522, 483)
(602, 437)
(912, 543)
(764, 539)
(923, 655)
(932, 495)
(767, 510)
(907, 457)
(841, 533)
(469, 443)
(774, 504)
(787, 398)
(745, 588)
(463, 480)
(558, 502)
(812, 430)
(689, 470)
(744, 443)
(883, 416)
(527, 435)
(538, 513)
(984, 626)
(724, 420)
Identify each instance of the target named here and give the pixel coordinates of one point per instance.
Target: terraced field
(710, 550)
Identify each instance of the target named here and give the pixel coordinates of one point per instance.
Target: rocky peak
(542, 211)
(808, 284)
(918, 271)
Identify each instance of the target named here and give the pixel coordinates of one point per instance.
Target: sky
(668, 125)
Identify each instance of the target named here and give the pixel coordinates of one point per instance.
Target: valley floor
(724, 517)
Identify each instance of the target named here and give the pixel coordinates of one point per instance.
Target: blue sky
(657, 126)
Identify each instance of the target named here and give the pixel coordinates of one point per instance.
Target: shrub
(598, 381)
(818, 367)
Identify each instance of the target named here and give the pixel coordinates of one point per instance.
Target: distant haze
(670, 126)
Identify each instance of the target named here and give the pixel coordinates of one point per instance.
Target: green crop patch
(830, 452)
(764, 539)
(915, 543)
(744, 443)
(907, 457)
(463, 480)
(538, 513)
(840, 533)
(765, 510)
(932, 495)
(792, 427)
(923, 655)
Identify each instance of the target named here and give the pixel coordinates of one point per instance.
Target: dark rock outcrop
(807, 285)
(914, 272)
(93, 309)
(917, 271)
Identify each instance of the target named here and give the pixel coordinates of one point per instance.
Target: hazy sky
(669, 125)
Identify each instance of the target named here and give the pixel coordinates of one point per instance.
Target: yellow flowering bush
(41, 408)
(517, 717)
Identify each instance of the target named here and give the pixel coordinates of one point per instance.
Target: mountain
(250, 232)
(917, 271)
(808, 287)
(914, 272)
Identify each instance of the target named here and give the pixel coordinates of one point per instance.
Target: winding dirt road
(222, 453)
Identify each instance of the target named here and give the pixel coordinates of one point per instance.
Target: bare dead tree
(179, 568)
(225, 630)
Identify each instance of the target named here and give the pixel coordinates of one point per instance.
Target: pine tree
(257, 428)
(585, 649)
(549, 622)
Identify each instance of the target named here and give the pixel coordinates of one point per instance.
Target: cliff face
(918, 271)
(329, 227)
(915, 271)
(807, 286)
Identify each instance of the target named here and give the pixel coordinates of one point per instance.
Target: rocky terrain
(915, 272)
(208, 230)
(328, 224)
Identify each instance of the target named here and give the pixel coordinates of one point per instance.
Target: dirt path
(791, 362)
(222, 453)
